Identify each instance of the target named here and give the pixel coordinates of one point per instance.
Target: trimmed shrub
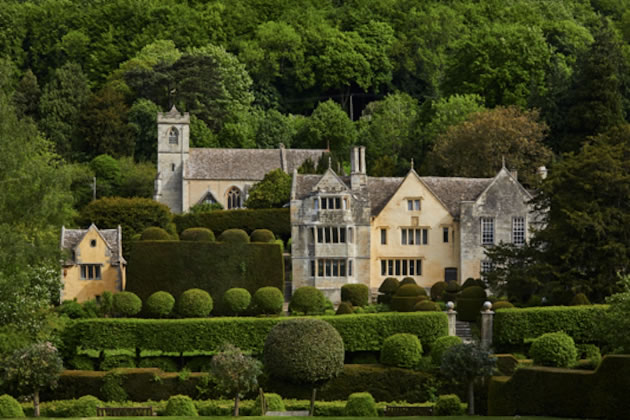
(472, 292)
(344, 308)
(180, 405)
(197, 235)
(85, 406)
(448, 405)
(194, 303)
(303, 350)
(469, 303)
(406, 297)
(118, 361)
(408, 280)
(360, 404)
(426, 305)
(450, 293)
(234, 236)
(236, 300)
(501, 304)
(555, 349)
(273, 402)
(82, 363)
(389, 285)
(439, 347)
(72, 309)
(356, 294)
(112, 389)
(470, 282)
(307, 300)
(437, 290)
(268, 300)
(262, 235)
(401, 350)
(164, 363)
(159, 304)
(9, 407)
(590, 353)
(580, 299)
(127, 304)
(155, 233)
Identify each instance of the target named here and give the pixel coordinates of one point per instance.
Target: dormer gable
(504, 180)
(330, 183)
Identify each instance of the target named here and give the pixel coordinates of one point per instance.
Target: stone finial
(450, 305)
(487, 306)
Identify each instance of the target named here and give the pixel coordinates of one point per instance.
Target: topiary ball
(591, 353)
(450, 293)
(389, 285)
(307, 300)
(360, 404)
(84, 407)
(236, 300)
(406, 297)
(9, 407)
(401, 350)
(273, 402)
(555, 349)
(437, 290)
(472, 292)
(448, 405)
(262, 235)
(159, 304)
(408, 280)
(344, 308)
(501, 304)
(162, 362)
(580, 299)
(155, 234)
(194, 303)
(127, 304)
(180, 405)
(197, 235)
(356, 294)
(439, 347)
(268, 300)
(235, 236)
(426, 305)
(303, 350)
(406, 290)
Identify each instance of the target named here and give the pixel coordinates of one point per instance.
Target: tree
(273, 190)
(477, 146)
(107, 172)
(136, 179)
(466, 363)
(26, 96)
(617, 319)
(143, 120)
(35, 368)
(236, 374)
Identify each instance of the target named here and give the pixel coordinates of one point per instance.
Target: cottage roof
(70, 238)
(450, 190)
(249, 164)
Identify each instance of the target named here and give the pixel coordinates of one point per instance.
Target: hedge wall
(176, 266)
(564, 392)
(364, 332)
(276, 220)
(512, 326)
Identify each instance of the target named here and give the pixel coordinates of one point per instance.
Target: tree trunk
(312, 412)
(36, 402)
(235, 414)
(471, 398)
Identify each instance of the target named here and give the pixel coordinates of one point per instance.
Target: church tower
(173, 142)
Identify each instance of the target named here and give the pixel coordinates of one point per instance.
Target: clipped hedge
(513, 326)
(234, 236)
(262, 235)
(197, 235)
(276, 220)
(155, 233)
(175, 266)
(364, 332)
(357, 294)
(544, 391)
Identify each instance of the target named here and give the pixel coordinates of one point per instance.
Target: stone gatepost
(487, 316)
(452, 318)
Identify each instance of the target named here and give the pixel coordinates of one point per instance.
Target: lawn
(329, 418)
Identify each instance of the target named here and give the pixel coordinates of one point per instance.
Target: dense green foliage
(555, 349)
(356, 294)
(562, 392)
(501, 304)
(307, 300)
(272, 191)
(303, 350)
(344, 308)
(262, 235)
(437, 290)
(234, 236)
(9, 407)
(194, 303)
(165, 364)
(273, 402)
(155, 233)
(440, 346)
(401, 350)
(513, 326)
(127, 304)
(360, 404)
(85, 406)
(469, 302)
(406, 297)
(426, 305)
(236, 300)
(180, 405)
(267, 301)
(159, 304)
(197, 235)
(176, 266)
(448, 405)
(616, 318)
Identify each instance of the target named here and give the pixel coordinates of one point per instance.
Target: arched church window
(173, 136)
(234, 198)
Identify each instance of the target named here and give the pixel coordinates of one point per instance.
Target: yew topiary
(556, 349)
(268, 301)
(154, 233)
(197, 235)
(401, 350)
(501, 304)
(360, 404)
(426, 305)
(159, 304)
(194, 303)
(236, 300)
(9, 407)
(303, 350)
(127, 304)
(408, 280)
(262, 235)
(307, 300)
(356, 294)
(406, 297)
(236, 236)
(389, 285)
(437, 290)
(344, 308)
(450, 293)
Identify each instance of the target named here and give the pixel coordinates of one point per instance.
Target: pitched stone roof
(248, 164)
(70, 238)
(450, 190)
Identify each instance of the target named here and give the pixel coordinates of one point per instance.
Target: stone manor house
(356, 228)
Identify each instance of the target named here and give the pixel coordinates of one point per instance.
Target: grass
(329, 418)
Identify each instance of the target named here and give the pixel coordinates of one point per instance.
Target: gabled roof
(71, 238)
(248, 164)
(505, 172)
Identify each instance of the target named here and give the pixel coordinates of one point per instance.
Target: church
(187, 176)
(361, 229)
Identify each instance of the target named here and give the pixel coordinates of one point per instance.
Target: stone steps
(463, 331)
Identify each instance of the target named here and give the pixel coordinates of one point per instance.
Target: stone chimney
(358, 173)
